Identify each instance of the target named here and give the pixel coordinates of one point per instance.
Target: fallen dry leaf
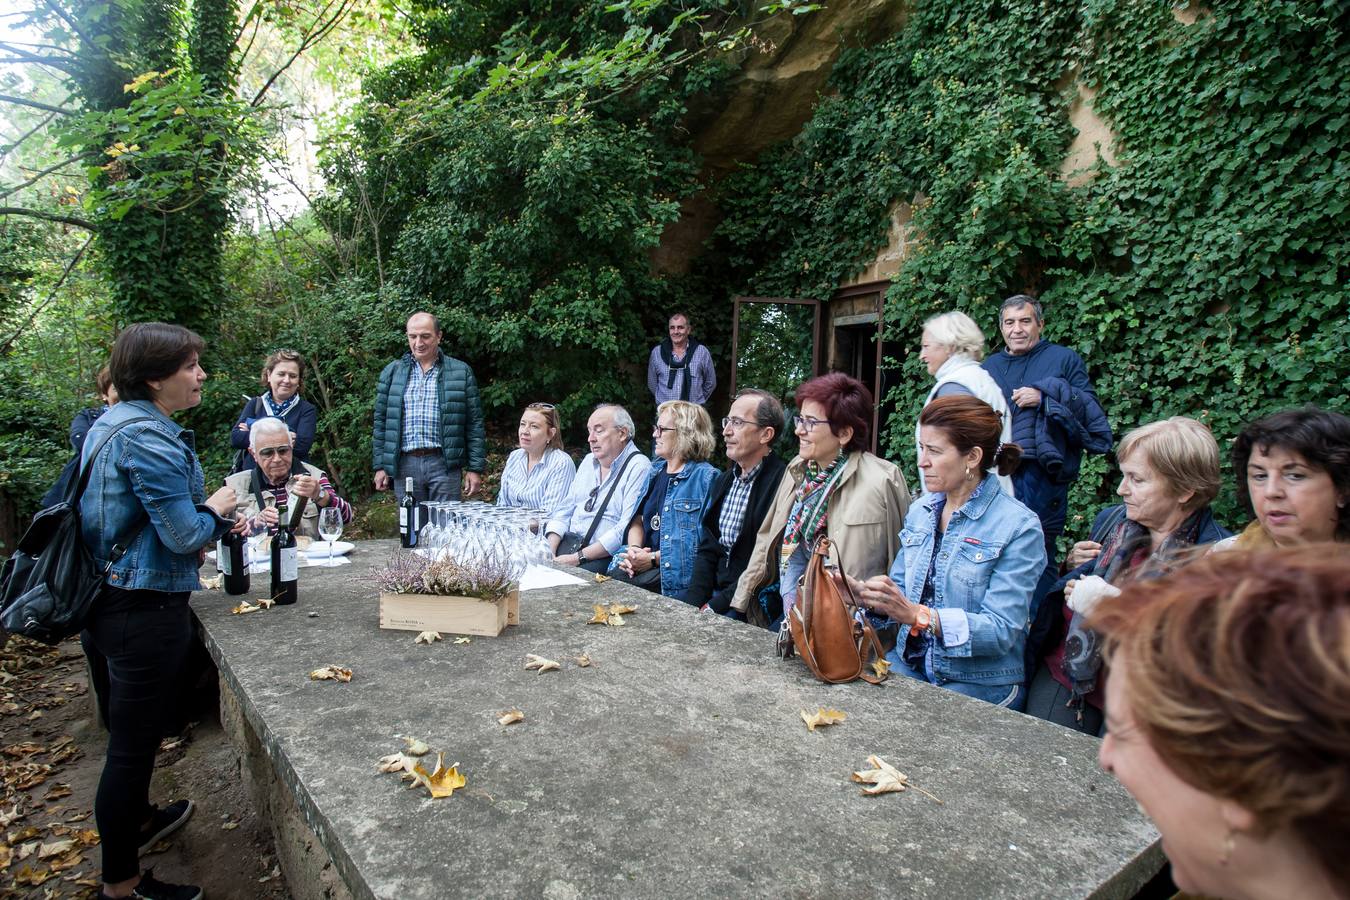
(213, 584)
(244, 607)
(610, 615)
(27, 850)
(881, 667)
(266, 603)
(462, 640)
(334, 673)
(821, 717)
(538, 662)
(33, 877)
(229, 826)
(69, 861)
(397, 762)
(583, 660)
(55, 848)
(601, 579)
(416, 747)
(56, 792)
(427, 637)
(10, 816)
(885, 779)
(6, 856)
(442, 782)
(27, 748)
(601, 615)
(87, 837)
(510, 716)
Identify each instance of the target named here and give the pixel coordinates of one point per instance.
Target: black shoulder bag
(49, 584)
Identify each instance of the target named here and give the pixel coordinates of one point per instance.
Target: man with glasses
(592, 522)
(739, 499)
(272, 448)
(428, 420)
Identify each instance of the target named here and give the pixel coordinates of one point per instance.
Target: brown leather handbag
(829, 638)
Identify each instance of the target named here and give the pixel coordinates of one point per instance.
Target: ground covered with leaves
(51, 755)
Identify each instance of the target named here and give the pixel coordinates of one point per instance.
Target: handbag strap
(599, 513)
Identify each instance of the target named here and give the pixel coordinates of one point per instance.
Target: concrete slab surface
(676, 765)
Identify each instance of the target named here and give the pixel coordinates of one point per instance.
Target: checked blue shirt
(732, 519)
(422, 408)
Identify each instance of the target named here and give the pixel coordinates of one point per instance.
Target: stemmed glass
(330, 529)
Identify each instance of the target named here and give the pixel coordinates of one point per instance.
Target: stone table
(676, 765)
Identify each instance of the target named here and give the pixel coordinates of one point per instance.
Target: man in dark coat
(428, 420)
(1056, 415)
(739, 499)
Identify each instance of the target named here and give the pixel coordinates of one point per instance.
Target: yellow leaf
(266, 603)
(331, 673)
(583, 660)
(70, 190)
(619, 609)
(509, 717)
(822, 716)
(442, 782)
(427, 637)
(601, 615)
(397, 762)
(244, 607)
(32, 877)
(601, 579)
(881, 667)
(538, 662)
(462, 640)
(416, 747)
(208, 584)
(178, 110)
(229, 826)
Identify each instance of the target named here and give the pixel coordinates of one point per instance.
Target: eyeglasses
(658, 429)
(269, 452)
(590, 501)
(737, 422)
(808, 423)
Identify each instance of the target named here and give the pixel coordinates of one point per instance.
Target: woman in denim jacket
(146, 493)
(663, 536)
(970, 555)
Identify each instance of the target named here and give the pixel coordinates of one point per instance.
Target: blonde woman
(538, 473)
(951, 348)
(663, 536)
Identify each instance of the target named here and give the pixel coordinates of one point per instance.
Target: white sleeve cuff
(955, 627)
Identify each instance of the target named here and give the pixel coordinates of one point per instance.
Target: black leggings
(144, 636)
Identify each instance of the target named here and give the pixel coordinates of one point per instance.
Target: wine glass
(330, 529)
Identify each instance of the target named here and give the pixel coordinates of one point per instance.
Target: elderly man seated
(590, 524)
(271, 443)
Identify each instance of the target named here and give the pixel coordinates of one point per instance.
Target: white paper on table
(537, 576)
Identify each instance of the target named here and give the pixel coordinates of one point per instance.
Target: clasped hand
(636, 560)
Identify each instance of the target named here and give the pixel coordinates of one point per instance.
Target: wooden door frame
(736, 302)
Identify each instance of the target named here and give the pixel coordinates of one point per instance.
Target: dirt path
(51, 755)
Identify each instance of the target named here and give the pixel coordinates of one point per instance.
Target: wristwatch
(581, 555)
(323, 495)
(923, 621)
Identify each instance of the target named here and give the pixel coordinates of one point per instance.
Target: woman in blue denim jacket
(970, 556)
(663, 536)
(146, 493)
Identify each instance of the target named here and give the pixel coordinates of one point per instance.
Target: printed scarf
(276, 409)
(810, 509)
(674, 365)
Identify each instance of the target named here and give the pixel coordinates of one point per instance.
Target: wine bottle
(230, 559)
(285, 562)
(407, 516)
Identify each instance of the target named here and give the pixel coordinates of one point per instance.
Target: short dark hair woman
(1293, 474)
(281, 379)
(146, 492)
(835, 487)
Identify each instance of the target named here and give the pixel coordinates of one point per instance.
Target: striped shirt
(543, 487)
(737, 501)
(422, 408)
(278, 492)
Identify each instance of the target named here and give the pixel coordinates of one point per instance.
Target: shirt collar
(743, 476)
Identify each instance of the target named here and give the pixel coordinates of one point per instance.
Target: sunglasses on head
(541, 406)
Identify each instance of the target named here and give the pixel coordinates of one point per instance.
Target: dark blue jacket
(463, 439)
(1069, 419)
(302, 418)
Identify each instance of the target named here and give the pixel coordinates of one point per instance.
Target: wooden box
(448, 615)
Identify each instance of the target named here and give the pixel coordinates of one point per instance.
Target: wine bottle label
(223, 559)
(290, 564)
(402, 517)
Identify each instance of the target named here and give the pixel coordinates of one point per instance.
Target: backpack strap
(76, 491)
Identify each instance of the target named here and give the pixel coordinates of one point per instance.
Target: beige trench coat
(866, 513)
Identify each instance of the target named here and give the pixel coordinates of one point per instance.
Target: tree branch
(23, 56)
(9, 192)
(10, 148)
(50, 217)
(46, 107)
(317, 32)
(70, 266)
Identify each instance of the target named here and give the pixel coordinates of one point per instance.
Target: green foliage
(1203, 274)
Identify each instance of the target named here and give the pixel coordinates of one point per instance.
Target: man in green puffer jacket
(428, 420)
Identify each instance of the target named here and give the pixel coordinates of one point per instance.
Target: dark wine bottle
(230, 559)
(407, 516)
(285, 562)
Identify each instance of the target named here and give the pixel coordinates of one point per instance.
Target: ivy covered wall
(1203, 274)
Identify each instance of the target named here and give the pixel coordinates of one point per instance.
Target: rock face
(769, 101)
